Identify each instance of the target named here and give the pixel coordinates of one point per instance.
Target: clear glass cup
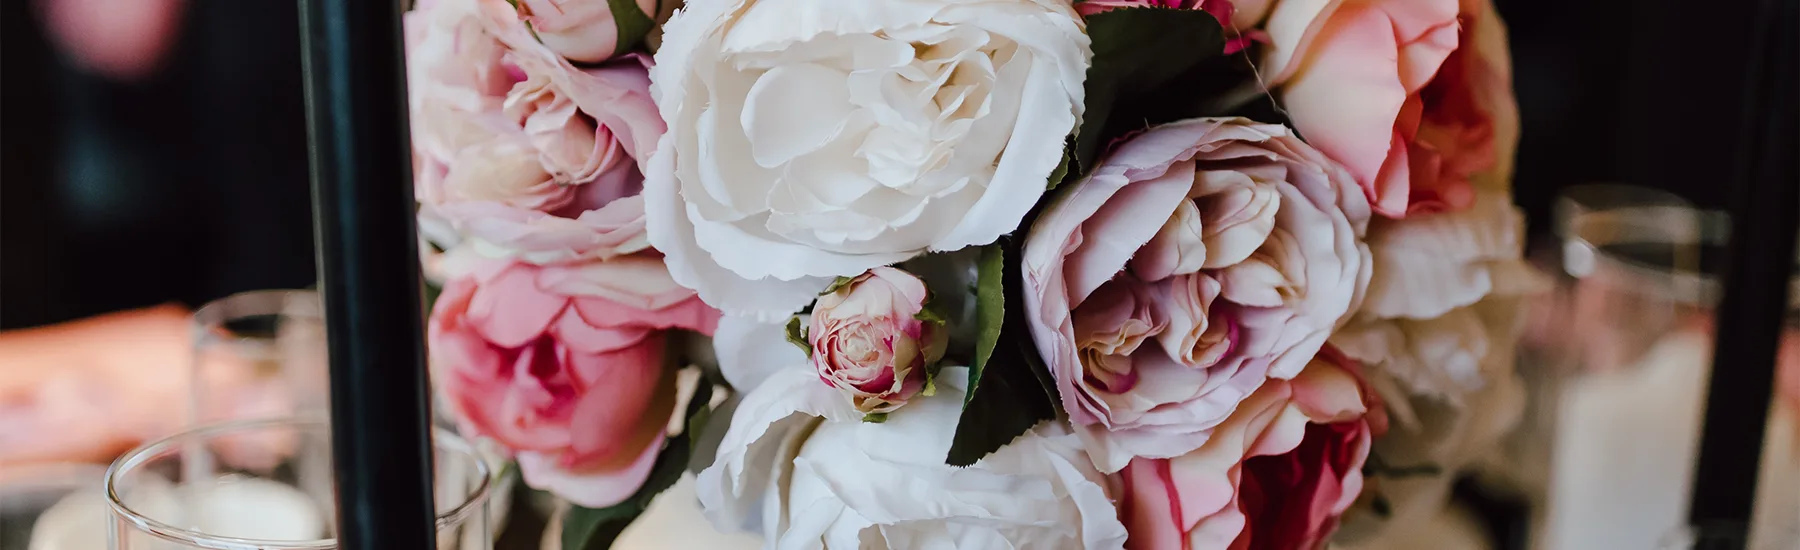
(1630, 335)
(259, 354)
(253, 493)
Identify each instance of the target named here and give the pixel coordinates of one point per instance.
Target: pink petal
(590, 489)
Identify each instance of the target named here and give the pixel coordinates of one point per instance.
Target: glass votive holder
(252, 490)
(259, 354)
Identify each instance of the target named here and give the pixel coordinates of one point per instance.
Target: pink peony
(868, 340)
(581, 30)
(1412, 96)
(564, 365)
(1276, 475)
(1198, 260)
(518, 151)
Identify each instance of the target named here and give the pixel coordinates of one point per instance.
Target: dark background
(192, 185)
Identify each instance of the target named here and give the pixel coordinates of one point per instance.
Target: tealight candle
(252, 508)
(230, 506)
(76, 521)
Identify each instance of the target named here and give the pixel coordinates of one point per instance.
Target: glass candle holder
(259, 354)
(1633, 324)
(253, 493)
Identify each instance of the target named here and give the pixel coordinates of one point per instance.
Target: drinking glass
(259, 354)
(251, 495)
(1632, 321)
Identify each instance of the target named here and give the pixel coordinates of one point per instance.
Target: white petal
(1429, 264)
(1045, 118)
(671, 231)
(754, 258)
(793, 110)
(752, 455)
(750, 352)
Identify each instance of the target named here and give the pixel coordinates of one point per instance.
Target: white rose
(1447, 295)
(812, 139)
(1427, 265)
(799, 463)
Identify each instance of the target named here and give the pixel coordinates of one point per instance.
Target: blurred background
(190, 175)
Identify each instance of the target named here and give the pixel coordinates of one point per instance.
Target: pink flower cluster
(1183, 293)
(552, 333)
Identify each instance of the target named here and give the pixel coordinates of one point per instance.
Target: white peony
(812, 139)
(1437, 337)
(799, 465)
(1447, 295)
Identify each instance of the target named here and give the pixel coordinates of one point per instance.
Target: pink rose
(1199, 259)
(565, 366)
(1277, 474)
(1224, 10)
(517, 151)
(868, 339)
(1412, 96)
(581, 30)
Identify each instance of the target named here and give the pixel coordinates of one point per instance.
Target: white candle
(1625, 451)
(252, 508)
(231, 506)
(81, 520)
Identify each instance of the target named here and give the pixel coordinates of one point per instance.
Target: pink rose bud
(869, 339)
(581, 30)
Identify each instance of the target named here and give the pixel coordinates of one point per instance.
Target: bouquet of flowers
(976, 273)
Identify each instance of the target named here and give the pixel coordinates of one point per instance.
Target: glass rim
(442, 439)
(209, 320)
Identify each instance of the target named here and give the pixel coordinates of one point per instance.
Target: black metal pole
(369, 272)
(1760, 262)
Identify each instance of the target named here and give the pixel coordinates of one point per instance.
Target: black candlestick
(369, 272)
(1751, 314)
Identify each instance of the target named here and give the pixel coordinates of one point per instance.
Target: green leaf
(632, 22)
(1062, 168)
(1009, 389)
(837, 284)
(596, 528)
(798, 337)
(930, 315)
(699, 412)
(990, 312)
(1137, 53)
(875, 418)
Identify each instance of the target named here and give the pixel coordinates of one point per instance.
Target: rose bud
(581, 30)
(869, 339)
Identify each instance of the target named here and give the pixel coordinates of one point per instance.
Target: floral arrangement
(976, 273)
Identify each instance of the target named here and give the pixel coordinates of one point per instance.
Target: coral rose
(1414, 97)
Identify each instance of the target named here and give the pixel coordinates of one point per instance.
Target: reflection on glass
(251, 495)
(259, 354)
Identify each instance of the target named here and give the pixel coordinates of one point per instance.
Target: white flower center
(852, 135)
